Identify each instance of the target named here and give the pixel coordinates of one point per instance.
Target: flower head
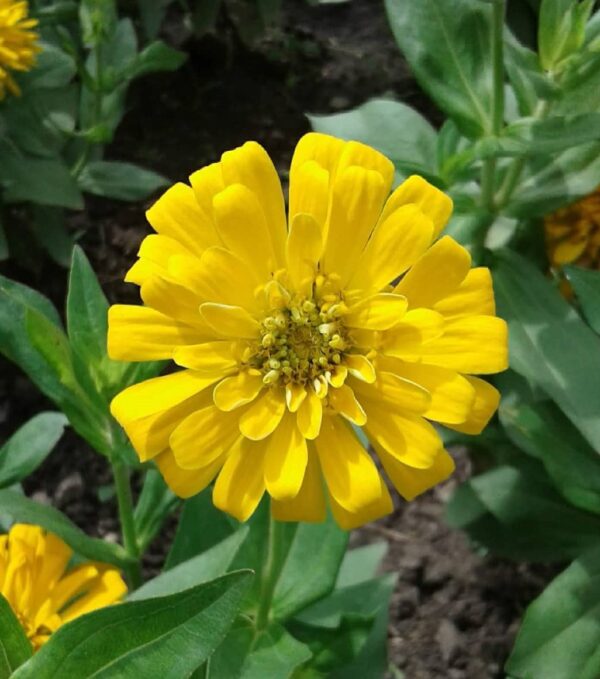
(354, 315)
(41, 591)
(18, 43)
(573, 233)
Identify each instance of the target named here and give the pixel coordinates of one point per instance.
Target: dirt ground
(454, 613)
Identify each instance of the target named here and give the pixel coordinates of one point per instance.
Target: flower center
(302, 341)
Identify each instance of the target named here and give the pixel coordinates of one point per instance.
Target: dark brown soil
(454, 613)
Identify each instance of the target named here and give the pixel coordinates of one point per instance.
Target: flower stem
(124, 499)
(270, 573)
(488, 170)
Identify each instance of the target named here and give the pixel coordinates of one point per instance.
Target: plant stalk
(270, 574)
(125, 502)
(488, 170)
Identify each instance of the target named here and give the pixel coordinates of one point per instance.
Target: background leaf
(124, 181)
(167, 637)
(586, 284)
(15, 648)
(29, 446)
(560, 635)
(455, 72)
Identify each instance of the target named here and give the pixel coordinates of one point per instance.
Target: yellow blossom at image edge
(18, 43)
(42, 593)
(350, 311)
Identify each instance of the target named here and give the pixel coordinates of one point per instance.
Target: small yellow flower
(18, 43)
(42, 593)
(356, 315)
(573, 233)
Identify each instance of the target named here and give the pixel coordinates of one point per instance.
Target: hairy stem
(125, 501)
(270, 574)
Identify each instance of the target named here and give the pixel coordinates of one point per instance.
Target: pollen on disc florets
(302, 342)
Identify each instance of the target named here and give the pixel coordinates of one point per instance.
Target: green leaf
(530, 520)
(560, 635)
(210, 564)
(455, 72)
(152, 13)
(53, 68)
(360, 564)
(550, 185)
(37, 180)
(542, 330)
(156, 57)
(50, 229)
(22, 510)
(167, 637)
(119, 180)
(297, 586)
(200, 527)
(561, 29)
(4, 253)
(15, 648)
(552, 135)
(395, 129)
(87, 312)
(586, 284)
(29, 446)
(155, 503)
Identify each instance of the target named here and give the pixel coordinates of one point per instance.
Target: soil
(454, 613)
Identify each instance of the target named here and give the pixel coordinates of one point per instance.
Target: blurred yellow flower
(355, 315)
(41, 592)
(573, 233)
(18, 43)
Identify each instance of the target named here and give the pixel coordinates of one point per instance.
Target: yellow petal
(309, 415)
(207, 357)
(344, 402)
(175, 301)
(350, 473)
(410, 482)
(177, 214)
(309, 503)
(356, 154)
(569, 251)
(395, 245)
(309, 192)
(452, 396)
(349, 520)
(240, 484)
(418, 327)
(285, 460)
(303, 249)
(202, 437)
(487, 399)
(360, 367)
(474, 344)
(159, 393)
(323, 149)
(186, 482)
(218, 276)
(436, 274)
(137, 333)
(357, 199)
(473, 297)
(206, 183)
(294, 395)
(150, 435)
(243, 228)
(230, 321)
(378, 312)
(393, 391)
(107, 588)
(434, 203)
(236, 391)
(264, 415)
(251, 166)
(409, 438)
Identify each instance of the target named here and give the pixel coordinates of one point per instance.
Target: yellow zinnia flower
(573, 233)
(18, 43)
(287, 337)
(43, 596)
